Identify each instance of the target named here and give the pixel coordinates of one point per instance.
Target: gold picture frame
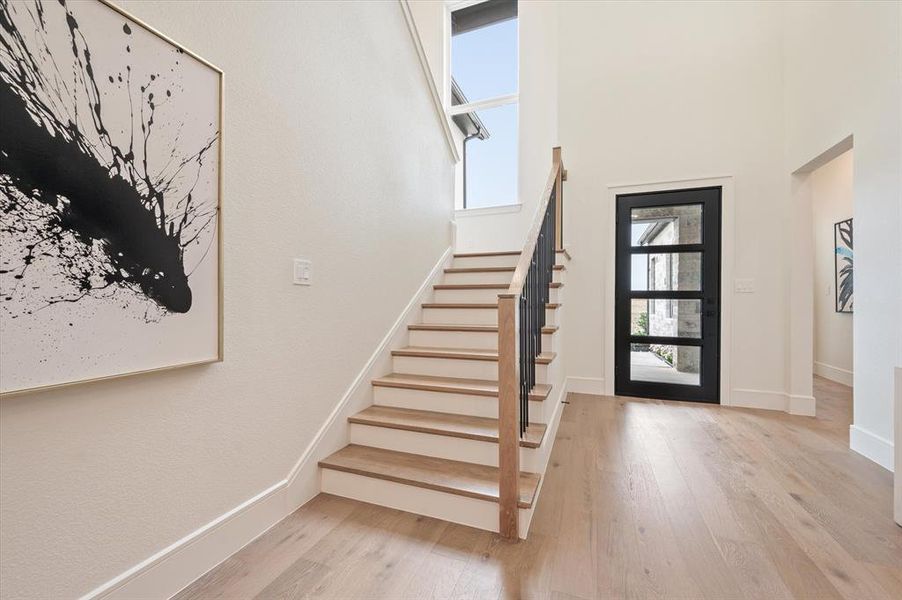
(220, 342)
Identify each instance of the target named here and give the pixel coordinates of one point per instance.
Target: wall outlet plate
(302, 274)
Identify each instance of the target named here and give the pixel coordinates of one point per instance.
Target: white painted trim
(170, 570)
(872, 446)
(728, 236)
(459, 109)
(897, 432)
(463, 213)
(805, 406)
(586, 385)
(175, 567)
(773, 400)
(837, 374)
(430, 80)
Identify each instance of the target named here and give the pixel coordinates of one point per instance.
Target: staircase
(429, 442)
(462, 428)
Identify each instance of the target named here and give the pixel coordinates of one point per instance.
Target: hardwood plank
(464, 479)
(472, 328)
(483, 286)
(432, 383)
(492, 269)
(447, 424)
(480, 254)
(500, 253)
(700, 496)
(463, 354)
(477, 305)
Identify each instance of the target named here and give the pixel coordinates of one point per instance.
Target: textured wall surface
(333, 153)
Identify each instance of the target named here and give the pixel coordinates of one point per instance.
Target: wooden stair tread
(496, 253)
(460, 305)
(483, 286)
(492, 269)
(479, 254)
(438, 423)
(462, 353)
(432, 383)
(471, 328)
(454, 477)
(550, 305)
(471, 286)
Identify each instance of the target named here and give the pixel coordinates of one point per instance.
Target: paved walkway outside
(646, 366)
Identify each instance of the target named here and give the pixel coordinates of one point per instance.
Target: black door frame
(710, 295)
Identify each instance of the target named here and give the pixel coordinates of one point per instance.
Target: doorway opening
(833, 230)
(667, 295)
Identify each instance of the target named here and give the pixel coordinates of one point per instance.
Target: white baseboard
(586, 385)
(897, 448)
(837, 374)
(771, 400)
(805, 406)
(173, 568)
(872, 446)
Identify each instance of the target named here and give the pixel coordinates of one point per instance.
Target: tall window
(484, 71)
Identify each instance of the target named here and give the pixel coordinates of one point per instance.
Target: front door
(667, 329)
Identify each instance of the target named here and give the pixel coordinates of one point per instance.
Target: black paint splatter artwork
(84, 214)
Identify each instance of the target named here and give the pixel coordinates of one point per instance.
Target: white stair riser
(478, 295)
(439, 446)
(471, 316)
(458, 404)
(453, 367)
(507, 260)
(465, 339)
(488, 277)
(482, 514)
(461, 316)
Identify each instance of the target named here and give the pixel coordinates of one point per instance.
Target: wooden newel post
(559, 203)
(508, 419)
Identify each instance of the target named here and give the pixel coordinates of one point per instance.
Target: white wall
(538, 131)
(831, 195)
(653, 92)
(333, 152)
(842, 77)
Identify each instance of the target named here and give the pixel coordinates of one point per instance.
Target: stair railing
(521, 317)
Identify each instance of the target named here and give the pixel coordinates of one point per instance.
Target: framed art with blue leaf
(844, 265)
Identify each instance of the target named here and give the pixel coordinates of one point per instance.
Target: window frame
(484, 104)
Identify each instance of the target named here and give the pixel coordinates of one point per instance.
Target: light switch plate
(744, 286)
(303, 272)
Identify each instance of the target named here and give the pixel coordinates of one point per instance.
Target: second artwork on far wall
(844, 266)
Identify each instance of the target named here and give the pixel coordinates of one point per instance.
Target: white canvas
(107, 265)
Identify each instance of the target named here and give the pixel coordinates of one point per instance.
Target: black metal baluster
(534, 298)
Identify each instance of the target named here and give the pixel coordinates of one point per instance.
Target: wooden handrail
(509, 364)
(553, 183)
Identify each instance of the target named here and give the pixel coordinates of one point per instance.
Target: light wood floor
(642, 499)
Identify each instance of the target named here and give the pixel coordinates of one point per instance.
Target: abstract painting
(843, 260)
(110, 184)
